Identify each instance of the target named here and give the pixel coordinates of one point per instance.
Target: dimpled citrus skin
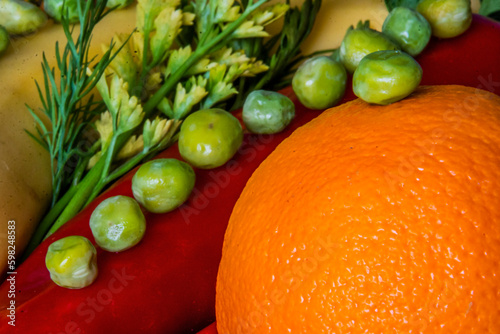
(372, 219)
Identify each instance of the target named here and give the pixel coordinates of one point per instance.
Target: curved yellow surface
(25, 180)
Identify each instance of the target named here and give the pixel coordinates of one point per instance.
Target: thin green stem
(79, 199)
(127, 166)
(48, 220)
(146, 67)
(115, 145)
(109, 155)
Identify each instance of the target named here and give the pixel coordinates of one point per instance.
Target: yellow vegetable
(25, 181)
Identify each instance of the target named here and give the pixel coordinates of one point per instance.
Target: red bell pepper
(211, 329)
(166, 284)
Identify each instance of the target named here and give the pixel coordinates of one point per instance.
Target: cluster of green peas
(382, 63)
(209, 138)
(118, 223)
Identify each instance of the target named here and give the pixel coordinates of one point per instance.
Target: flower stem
(78, 200)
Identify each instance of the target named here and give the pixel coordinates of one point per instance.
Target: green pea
(4, 39)
(361, 41)
(209, 138)
(319, 82)
(267, 112)
(56, 10)
(72, 262)
(163, 185)
(408, 28)
(20, 17)
(384, 77)
(448, 18)
(117, 223)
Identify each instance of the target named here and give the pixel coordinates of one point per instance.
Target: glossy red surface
(211, 329)
(471, 59)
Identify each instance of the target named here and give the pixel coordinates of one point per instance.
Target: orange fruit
(372, 219)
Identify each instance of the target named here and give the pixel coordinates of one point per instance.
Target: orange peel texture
(372, 219)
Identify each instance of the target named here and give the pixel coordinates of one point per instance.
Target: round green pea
(384, 77)
(408, 28)
(448, 18)
(361, 41)
(162, 185)
(59, 8)
(209, 138)
(21, 17)
(267, 112)
(320, 82)
(72, 262)
(117, 223)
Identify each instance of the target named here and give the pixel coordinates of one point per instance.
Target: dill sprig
(69, 108)
(66, 102)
